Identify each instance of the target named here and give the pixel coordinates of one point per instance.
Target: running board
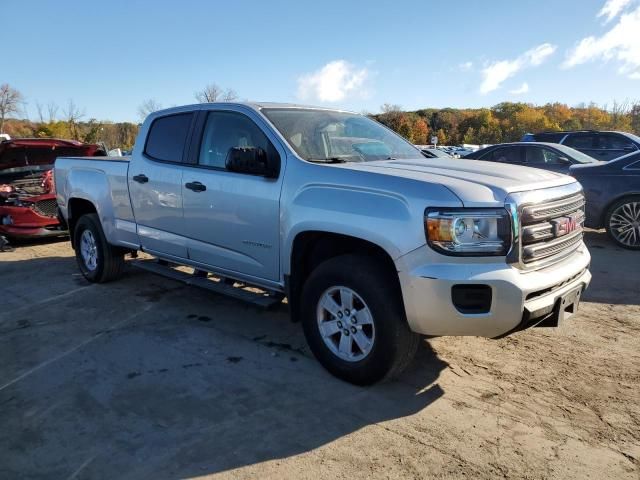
(215, 284)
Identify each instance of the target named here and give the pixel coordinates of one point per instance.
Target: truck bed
(84, 177)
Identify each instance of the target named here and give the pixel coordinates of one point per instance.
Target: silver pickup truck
(373, 244)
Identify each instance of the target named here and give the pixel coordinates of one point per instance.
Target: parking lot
(147, 378)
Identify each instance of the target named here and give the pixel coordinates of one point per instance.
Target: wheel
(623, 222)
(99, 262)
(354, 321)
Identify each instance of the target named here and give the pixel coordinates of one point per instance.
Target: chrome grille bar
(547, 225)
(553, 209)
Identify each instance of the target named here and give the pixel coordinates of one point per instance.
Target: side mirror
(564, 160)
(253, 161)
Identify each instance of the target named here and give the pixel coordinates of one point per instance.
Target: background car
(548, 156)
(434, 153)
(612, 192)
(604, 146)
(28, 205)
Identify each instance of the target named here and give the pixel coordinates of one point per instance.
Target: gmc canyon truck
(373, 244)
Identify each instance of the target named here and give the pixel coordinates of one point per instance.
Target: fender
(110, 197)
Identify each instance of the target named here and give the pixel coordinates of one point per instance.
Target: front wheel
(354, 321)
(623, 222)
(99, 261)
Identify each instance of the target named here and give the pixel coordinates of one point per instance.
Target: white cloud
(497, 72)
(465, 66)
(612, 8)
(332, 83)
(524, 88)
(621, 43)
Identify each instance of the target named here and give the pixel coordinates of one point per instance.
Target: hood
(473, 181)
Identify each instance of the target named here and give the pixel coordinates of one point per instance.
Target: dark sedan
(612, 191)
(548, 156)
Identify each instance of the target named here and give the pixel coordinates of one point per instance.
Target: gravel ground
(146, 378)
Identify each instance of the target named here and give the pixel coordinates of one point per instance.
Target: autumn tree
(10, 100)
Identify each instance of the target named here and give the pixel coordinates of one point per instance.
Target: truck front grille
(47, 208)
(551, 230)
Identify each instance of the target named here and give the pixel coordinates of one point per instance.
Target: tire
(379, 318)
(103, 262)
(625, 213)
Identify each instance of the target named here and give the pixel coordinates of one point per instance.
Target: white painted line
(82, 467)
(71, 350)
(40, 302)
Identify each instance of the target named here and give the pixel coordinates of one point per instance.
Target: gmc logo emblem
(564, 225)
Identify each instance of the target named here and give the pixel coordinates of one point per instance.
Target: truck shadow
(614, 270)
(16, 243)
(194, 384)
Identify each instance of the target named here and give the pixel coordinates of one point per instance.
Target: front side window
(226, 130)
(168, 136)
(616, 142)
(535, 156)
(327, 136)
(503, 155)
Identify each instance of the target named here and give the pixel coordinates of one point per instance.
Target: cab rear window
(167, 137)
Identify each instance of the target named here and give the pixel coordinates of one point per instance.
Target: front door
(232, 220)
(155, 185)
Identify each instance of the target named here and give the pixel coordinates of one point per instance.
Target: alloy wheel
(346, 324)
(624, 224)
(89, 250)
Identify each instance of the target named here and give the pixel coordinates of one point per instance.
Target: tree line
(504, 122)
(71, 122)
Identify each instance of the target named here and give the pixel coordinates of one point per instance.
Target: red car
(28, 205)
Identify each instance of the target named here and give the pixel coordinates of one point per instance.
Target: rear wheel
(99, 262)
(623, 222)
(354, 321)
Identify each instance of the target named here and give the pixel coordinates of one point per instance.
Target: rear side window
(168, 136)
(579, 141)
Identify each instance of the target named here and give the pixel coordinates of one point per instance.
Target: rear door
(232, 219)
(155, 185)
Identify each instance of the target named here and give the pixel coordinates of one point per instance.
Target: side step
(214, 284)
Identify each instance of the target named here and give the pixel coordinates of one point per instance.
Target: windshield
(577, 155)
(633, 137)
(331, 137)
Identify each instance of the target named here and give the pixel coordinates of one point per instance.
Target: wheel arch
(612, 202)
(77, 207)
(313, 247)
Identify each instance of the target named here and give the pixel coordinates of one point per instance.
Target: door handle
(141, 178)
(196, 186)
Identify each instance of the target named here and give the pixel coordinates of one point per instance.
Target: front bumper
(518, 298)
(24, 222)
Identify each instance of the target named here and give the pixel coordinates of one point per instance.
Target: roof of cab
(253, 105)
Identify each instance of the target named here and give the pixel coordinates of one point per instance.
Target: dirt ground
(146, 378)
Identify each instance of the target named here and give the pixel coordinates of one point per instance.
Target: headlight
(468, 231)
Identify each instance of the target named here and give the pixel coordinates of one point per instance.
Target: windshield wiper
(327, 160)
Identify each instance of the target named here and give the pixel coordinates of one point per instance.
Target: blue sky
(110, 56)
